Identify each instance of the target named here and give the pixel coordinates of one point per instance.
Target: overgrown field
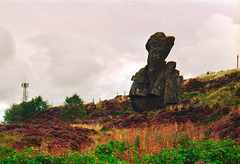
(226, 151)
(204, 129)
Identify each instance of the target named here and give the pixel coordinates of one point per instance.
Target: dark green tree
(18, 113)
(74, 99)
(73, 108)
(13, 115)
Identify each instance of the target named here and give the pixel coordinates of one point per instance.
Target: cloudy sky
(94, 47)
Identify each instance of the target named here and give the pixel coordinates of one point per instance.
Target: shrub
(191, 95)
(5, 151)
(73, 108)
(129, 109)
(113, 150)
(226, 151)
(117, 113)
(28, 157)
(74, 99)
(18, 113)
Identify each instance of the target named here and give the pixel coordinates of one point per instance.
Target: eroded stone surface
(158, 83)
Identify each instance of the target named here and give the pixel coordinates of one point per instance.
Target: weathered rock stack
(158, 83)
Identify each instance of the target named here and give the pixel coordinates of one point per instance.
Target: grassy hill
(221, 88)
(208, 121)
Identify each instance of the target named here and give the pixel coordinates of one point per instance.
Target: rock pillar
(158, 83)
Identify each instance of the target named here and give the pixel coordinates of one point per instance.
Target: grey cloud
(7, 64)
(72, 60)
(214, 47)
(88, 67)
(7, 45)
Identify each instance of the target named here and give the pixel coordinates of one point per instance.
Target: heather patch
(228, 127)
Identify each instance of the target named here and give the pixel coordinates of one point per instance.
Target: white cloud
(214, 47)
(3, 107)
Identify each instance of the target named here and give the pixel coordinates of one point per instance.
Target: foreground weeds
(152, 139)
(227, 151)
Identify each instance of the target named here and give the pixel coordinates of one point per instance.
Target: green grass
(226, 151)
(206, 151)
(217, 75)
(222, 87)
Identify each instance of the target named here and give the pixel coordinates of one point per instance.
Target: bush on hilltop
(18, 113)
(73, 108)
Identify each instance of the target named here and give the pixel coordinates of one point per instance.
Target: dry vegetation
(155, 138)
(111, 132)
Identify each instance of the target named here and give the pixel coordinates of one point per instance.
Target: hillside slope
(210, 103)
(221, 88)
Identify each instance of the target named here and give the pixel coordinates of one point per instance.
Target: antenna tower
(25, 85)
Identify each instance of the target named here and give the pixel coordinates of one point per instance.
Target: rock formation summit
(158, 83)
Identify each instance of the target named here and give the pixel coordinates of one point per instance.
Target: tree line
(73, 109)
